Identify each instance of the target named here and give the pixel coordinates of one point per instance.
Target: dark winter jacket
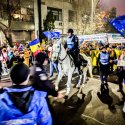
(14, 60)
(40, 81)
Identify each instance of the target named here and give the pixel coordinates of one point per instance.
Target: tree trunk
(8, 33)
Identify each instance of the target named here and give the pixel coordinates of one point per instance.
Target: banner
(102, 38)
(115, 38)
(121, 63)
(93, 37)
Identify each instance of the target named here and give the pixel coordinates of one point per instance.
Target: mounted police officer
(72, 47)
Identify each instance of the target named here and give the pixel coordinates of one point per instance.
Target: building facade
(65, 14)
(21, 21)
(76, 14)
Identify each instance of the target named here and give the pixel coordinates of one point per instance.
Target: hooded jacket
(23, 105)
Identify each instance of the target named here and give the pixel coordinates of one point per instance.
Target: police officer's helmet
(70, 31)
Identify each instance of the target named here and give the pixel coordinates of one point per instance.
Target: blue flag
(51, 35)
(48, 34)
(119, 24)
(55, 34)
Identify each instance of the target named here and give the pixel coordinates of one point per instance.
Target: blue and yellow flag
(34, 45)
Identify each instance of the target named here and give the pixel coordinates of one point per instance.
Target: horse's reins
(61, 60)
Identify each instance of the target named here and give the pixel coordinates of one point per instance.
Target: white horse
(66, 66)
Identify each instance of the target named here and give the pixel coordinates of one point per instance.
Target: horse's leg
(90, 66)
(84, 75)
(60, 75)
(90, 70)
(79, 82)
(69, 83)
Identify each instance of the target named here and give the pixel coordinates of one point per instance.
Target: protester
(10, 53)
(38, 51)
(0, 70)
(3, 59)
(26, 56)
(21, 57)
(21, 47)
(121, 73)
(31, 58)
(40, 77)
(40, 80)
(21, 103)
(16, 58)
(52, 64)
(112, 55)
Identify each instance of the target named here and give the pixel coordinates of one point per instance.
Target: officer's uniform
(103, 60)
(72, 46)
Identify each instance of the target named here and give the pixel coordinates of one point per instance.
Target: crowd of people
(10, 56)
(26, 102)
(13, 55)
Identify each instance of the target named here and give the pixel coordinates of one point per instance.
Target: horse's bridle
(59, 54)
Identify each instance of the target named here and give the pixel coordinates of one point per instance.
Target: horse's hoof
(77, 86)
(83, 85)
(91, 76)
(56, 88)
(66, 97)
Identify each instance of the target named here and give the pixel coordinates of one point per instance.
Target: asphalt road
(91, 107)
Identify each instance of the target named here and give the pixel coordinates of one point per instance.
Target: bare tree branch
(16, 6)
(4, 25)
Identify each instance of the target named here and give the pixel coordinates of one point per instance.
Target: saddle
(80, 60)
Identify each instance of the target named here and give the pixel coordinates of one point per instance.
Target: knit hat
(19, 73)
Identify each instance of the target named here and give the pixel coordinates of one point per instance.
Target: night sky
(119, 4)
